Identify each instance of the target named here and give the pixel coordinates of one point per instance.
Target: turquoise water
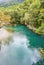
(35, 40)
(22, 48)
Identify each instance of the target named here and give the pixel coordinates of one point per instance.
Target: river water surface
(21, 47)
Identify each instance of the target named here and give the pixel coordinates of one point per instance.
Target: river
(21, 48)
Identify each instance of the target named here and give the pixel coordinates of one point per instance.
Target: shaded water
(17, 51)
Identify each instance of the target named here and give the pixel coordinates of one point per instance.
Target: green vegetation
(29, 13)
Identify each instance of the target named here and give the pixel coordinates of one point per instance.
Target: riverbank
(41, 50)
(34, 29)
(31, 27)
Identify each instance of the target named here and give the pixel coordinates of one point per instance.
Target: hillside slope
(29, 13)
